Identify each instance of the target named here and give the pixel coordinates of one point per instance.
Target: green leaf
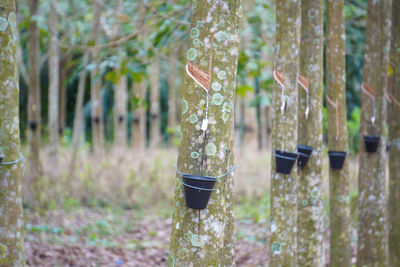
(242, 90)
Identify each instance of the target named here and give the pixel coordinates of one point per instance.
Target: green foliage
(353, 129)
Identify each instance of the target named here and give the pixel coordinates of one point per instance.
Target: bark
(34, 120)
(155, 116)
(340, 234)
(96, 84)
(310, 207)
(372, 213)
(394, 139)
(283, 221)
(121, 112)
(11, 221)
(54, 83)
(215, 25)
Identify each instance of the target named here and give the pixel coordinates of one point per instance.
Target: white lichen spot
(216, 86)
(193, 118)
(211, 149)
(217, 99)
(191, 54)
(3, 24)
(221, 75)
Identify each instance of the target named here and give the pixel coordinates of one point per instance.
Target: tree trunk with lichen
(155, 116)
(96, 102)
(339, 220)
(54, 83)
(11, 221)
(214, 45)
(394, 139)
(372, 213)
(283, 221)
(310, 222)
(34, 120)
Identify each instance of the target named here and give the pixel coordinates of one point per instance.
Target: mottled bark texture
(339, 201)
(283, 221)
(310, 207)
(394, 139)
(11, 221)
(34, 120)
(54, 83)
(372, 213)
(155, 116)
(214, 34)
(96, 83)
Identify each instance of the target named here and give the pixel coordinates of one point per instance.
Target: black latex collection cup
(197, 190)
(336, 159)
(304, 155)
(284, 161)
(371, 143)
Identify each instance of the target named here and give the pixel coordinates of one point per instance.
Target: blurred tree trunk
(96, 84)
(121, 110)
(11, 221)
(34, 120)
(340, 232)
(394, 137)
(283, 221)
(139, 121)
(372, 214)
(172, 76)
(214, 245)
(54, 83)
(63, 92)
(155, 116)
(139, 90)
(310, 222)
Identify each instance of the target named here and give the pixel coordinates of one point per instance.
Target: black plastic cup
(197, 190)
(371, 143)
(388, 147)
(284, 161)
(304, 155)
(336, 159)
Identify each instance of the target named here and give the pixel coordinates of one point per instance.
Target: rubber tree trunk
(96, 84)
(172, 92)
(214, 34)
(372, 213)
(139, 121)
(283, 221)
(120, 112)
(394, 138)
(11, 221)
(34, 120)
(339, 220)
(155, 115)
(310, 223)
(54, 84)
(63, 92)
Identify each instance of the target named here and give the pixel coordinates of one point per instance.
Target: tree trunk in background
(215, 244)
(139, 122)
(120, 112)
(372, 213)
(34, 120)
(310, 222)
(63, 92)
(155, 115)
(54, 84)
(172, 75)
(283, 221)
(96, 84)
(394, 138)
(340, 232)
(11, 221)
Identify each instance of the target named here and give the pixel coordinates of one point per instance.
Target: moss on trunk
(283, 245)
(394, 139)
(310, 207)
(372, 213)
(11, 221)
(214, 33)
(340, 250)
